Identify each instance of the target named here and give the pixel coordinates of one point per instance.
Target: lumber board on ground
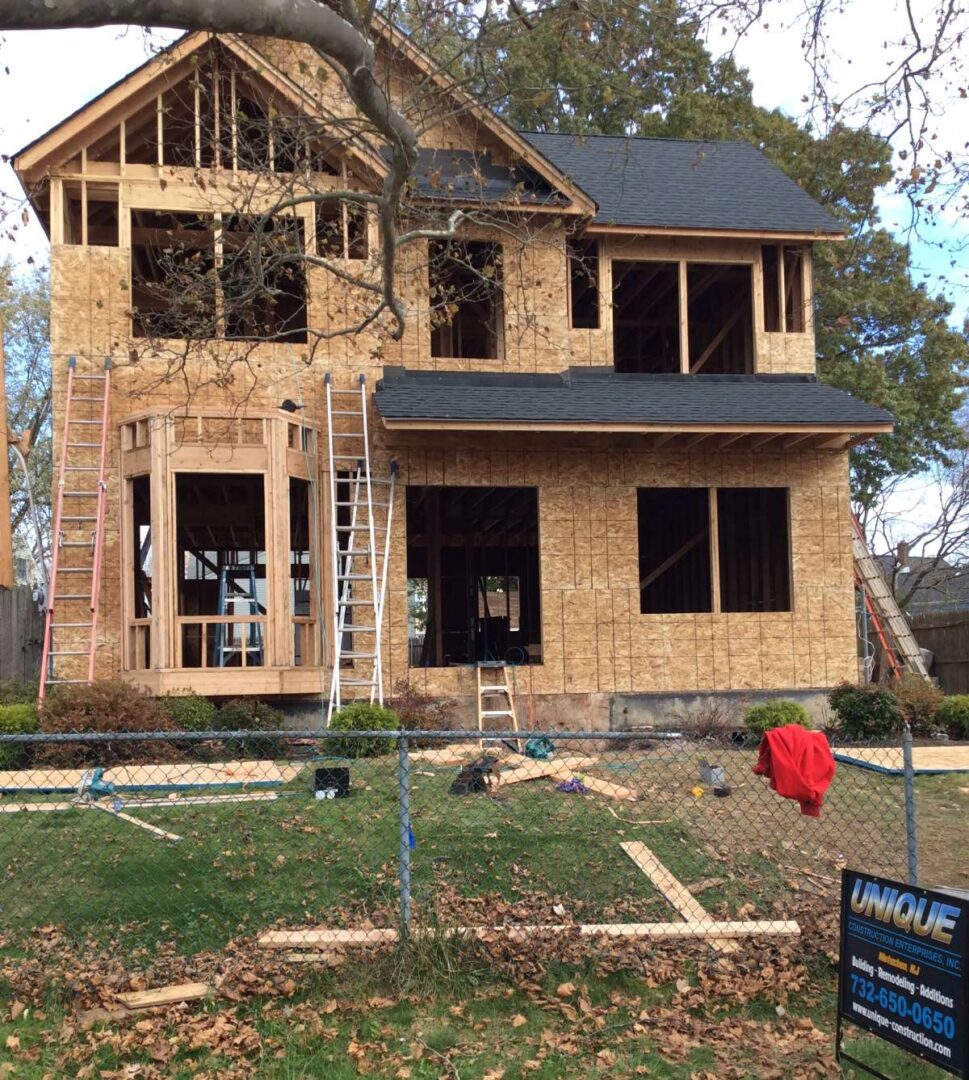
(165, 995)
(532, 771)
(707, 929)
(38, 807)
(153, 829)
(201, 800)
(182, 774)
(674, 890)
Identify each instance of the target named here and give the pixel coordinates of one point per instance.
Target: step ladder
(359, 549)
(891, 626)
(496, 712)
(77, 556)
(249, 641)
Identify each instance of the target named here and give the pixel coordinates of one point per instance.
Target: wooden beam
(153, 829)
(166, 995)
(671, 560)
(683, 305)
(714, 518)
(675, 892)
(712, 347)
(762, 440)
(796, 440)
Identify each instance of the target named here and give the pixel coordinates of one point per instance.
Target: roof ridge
(632, 138)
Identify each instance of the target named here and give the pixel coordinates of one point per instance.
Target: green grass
(242, 868)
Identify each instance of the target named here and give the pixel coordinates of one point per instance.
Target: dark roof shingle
(684, 183)
(601, 396)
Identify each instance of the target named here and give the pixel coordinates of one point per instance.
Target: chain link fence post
(910, 832)
(406, 834)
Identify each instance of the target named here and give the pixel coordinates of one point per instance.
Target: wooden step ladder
(80, 501)
(490, 710)
(890, 624)
(359, 549)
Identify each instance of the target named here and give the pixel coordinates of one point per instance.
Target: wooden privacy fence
(21, 633)
(946, 633)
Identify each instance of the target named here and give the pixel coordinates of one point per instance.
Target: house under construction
(599, 452)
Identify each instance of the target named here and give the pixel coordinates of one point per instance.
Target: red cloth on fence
(799, 765)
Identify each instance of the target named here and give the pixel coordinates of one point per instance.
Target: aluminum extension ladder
(360, 529)
(892, 627)
(80, 501)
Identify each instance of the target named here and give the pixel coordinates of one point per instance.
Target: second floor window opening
(198, 276)
(465, 293)
(341, 230)
(683, 318)
(785, 295)
(583, 284)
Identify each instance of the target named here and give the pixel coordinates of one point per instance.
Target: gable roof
(602, 396)
(685, 184)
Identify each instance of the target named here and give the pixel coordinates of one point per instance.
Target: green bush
(191, 712)
(17, 719)
(919, 701)
(17, 691)
(775, 714)
(953, 716)
(865, 712)
(251, 714)
(361, 716)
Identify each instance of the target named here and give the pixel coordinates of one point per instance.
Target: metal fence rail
(313, 842)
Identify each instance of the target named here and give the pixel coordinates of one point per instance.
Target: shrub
(865, 712)
(417, 711)
(190, 712)
(17, 691)
(17, 719)
(919, 701)
(106, 705)
(361, 716)
(953, 716)
(251, 714)
(709, 718)
(775, 714)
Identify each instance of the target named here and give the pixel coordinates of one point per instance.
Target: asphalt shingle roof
(684, 183)
(600, 395)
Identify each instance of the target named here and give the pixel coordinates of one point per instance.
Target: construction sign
(903, 969)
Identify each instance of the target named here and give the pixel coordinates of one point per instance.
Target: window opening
(720, 322)
(584, 283)
(302, 570)
(465, 291)
(646, 317)
(674, 550)
(221, 588)
(755, 571)
(772, 288)
(139, 490)
(341, 230)
(473, 575)
(794, 319)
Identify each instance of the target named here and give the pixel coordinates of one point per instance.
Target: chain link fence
(317, 843)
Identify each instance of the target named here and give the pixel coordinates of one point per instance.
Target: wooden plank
(674, 890)
(716, 600)
(153, 829)
(537, 771)
(710, 928)
(600, 787)
(200, 800)
(165, 995)
(39, 807)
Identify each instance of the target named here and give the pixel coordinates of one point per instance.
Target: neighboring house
(616, 464)
(926, 585)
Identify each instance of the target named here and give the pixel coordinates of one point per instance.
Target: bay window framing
(274, 455)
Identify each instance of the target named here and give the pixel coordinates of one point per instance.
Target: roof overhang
(605, 229)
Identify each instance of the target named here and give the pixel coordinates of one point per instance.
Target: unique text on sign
(903, 967)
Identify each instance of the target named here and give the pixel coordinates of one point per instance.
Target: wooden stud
(682, 288)
(153, 829)
(166, 995)
(160, 128)
(715, 598)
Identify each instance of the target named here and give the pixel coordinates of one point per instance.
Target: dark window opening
(755, 565)
(584, 283)
(221, 588)
(263, 279)
(720, 320)
(100, 229)
(141, 136)
(341, 231)
(646, 317)
(794, 315)
(303, 593)
(784, 268)
(172, 275)
(674, 550)
(772, 288)
(473, 575)
(465, 292)
(141, 545)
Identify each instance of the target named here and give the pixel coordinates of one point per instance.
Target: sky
(31, 102)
